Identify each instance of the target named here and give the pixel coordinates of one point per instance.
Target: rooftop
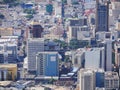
(8, 65)
(5, 83)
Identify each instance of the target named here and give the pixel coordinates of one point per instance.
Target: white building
(94, 58)
(77, 25)
(113, 35)
(34, 45)
(108, 55)
(83, 33)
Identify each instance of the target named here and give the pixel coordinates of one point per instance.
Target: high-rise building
(86, 79)
(34, 45)
(100, 77)
(108, 55)
(47, 64)
(35, 30)
(107, 44)
(94, 58)
(102, 15)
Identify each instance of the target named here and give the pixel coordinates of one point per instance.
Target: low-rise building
(111, 81)
(6, 31)
(8, 72)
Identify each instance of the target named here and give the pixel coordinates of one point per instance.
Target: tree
(29, 16)
(29, 11)
(64, 1)
(9, 1)
(74, 44)
(49, 8)
(2, 16)
(83, 43)
(51, 81)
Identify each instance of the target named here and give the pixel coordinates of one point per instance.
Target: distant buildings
(47, 64)
(97, 79)
(102, 15)
(34, 46)
(51, 46)
(78, 29)
(8, 51)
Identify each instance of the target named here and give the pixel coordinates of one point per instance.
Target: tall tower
(36, 30)
(34, 45)
(102, 15)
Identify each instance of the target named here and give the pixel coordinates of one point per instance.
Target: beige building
(8, 72)
(117, 53)
(86, 79)
(111, 81)
(6, 31)
(118, 25)
(115, 6)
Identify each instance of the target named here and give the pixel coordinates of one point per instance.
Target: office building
(108, 55)
(8, 52)
(113, 35)
(86, 79)
(76, 25)
(35, 30)
(111, 81)
(107, 44)
(47, 64)
(99, 78)
(78, 57)
(34, 45)
(83, 33)
(102, 15)
(94, 58)
(8, 72)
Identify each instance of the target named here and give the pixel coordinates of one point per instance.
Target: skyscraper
(102, 15)
(94, 58)
(34, 45)
(36, 30)
(99, 78)
(47, 63)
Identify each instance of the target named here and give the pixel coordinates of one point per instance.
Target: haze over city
(59, 44)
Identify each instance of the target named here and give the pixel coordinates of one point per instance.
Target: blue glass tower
(102, 15)
(47, 64)
(100, 77)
